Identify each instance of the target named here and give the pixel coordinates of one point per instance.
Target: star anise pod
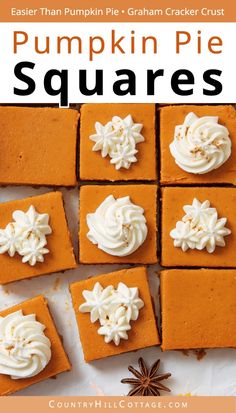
(147, 381)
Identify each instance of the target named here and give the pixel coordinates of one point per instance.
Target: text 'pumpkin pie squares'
(198, 308)
(38, 146)
(114, 313)
(118, 142)
(198, 227)
(34, 238)
(30, 346)
(118, 224)
(198, 144)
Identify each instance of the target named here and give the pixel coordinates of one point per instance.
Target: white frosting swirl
(113, 308)
(200, 145)
(24, 349)
(117, 226)
(200, 228)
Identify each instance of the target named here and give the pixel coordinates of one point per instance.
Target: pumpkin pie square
(60, 257)
(38, 146)
(59, 361)
(93, 344)
(173, 201)
(171, 172)
(95, 167)
(198, 308)
(144, 196)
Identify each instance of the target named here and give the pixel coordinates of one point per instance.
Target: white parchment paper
(214, 374)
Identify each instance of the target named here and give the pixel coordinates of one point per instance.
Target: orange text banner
(118, 10)
(117, 404)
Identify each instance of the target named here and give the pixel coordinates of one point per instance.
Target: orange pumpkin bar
(173, 201)
(171, 173)
(59, 361)
(144, 331)
(38, 146)
(144, 196)
(60, 256)
(93, 166)
(198, 309)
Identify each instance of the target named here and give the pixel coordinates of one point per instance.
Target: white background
(165, 58)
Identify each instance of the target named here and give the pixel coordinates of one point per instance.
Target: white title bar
(117, 62)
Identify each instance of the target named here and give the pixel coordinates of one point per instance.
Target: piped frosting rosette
(24, 349)
(26, 235)
(118, 226)
(118, 140)
(200, 228)
(113, 308)
(200, 145)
